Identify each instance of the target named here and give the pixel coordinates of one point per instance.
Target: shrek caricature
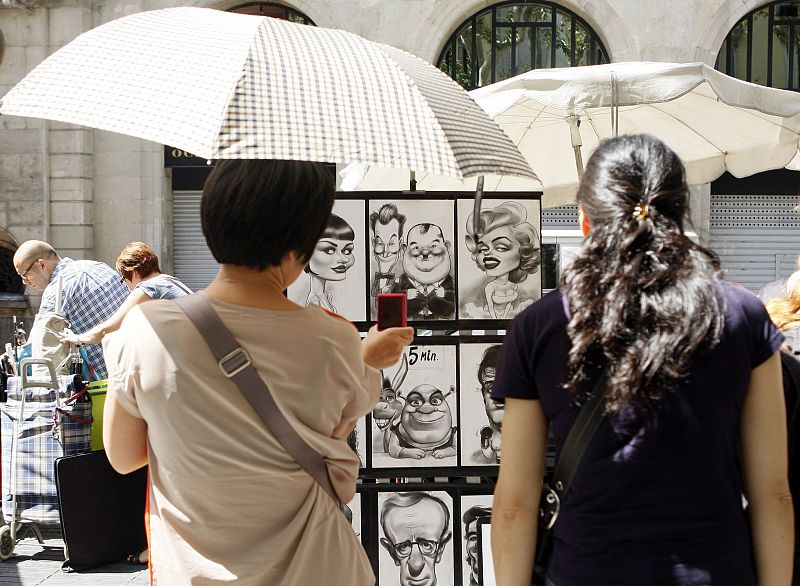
(425, 426)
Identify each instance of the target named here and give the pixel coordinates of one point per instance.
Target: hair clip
(640, 211)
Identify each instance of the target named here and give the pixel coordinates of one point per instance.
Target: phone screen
(391, 310)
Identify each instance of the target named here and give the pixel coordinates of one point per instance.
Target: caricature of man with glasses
(417, 528)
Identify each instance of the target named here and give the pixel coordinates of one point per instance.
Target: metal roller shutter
(560, 218)
(757, 237)
(193, 261)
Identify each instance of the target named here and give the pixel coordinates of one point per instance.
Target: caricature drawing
(390, 404)
(427, 280)
(352, 512)
(507, 249)
(470, 519)
(490, 434)
(332, 258)
(415, 420)
(386, 226)
(354, 444)
(416, 529)
(424, 427)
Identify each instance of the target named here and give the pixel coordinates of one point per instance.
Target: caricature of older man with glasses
(417, 528)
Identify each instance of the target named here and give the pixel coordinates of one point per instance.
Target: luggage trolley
(44, 418)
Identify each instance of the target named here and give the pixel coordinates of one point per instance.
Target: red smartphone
(391, 310)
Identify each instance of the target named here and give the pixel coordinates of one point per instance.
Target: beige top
(227, 503)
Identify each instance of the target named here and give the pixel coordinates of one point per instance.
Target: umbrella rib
(749, 113)
(692, 130)
(522, 135)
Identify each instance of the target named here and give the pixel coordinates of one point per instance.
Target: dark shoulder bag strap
(569, 458)
(580, 436)
(235, 364)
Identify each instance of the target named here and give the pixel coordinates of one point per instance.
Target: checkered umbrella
(557, 117)
(223, 85)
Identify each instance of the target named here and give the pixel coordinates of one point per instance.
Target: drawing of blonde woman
(507, 249)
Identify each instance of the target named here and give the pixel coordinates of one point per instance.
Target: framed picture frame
(335, 277)
(486, 576)
(412, 251)
(414, 426)
(475, 509)
(480, 417)
(414, 530)
(358, 442)
(353, 512)
(499, 268)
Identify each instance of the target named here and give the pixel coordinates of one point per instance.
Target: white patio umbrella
(223, 85)
(557, 117)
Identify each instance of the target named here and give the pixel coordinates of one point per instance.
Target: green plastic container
(97, 390)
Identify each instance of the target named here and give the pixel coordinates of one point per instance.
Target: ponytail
(642, 296)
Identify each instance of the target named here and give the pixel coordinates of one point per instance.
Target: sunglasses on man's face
(24, 274)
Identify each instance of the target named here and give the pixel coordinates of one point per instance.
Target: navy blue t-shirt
(657, 499)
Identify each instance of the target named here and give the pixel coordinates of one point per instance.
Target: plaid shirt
(91, 293)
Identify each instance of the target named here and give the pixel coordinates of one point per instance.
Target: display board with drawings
(435, 416)
(415, 423)
(423, 533)
(423, 245)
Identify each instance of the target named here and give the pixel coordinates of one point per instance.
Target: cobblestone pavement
(33, 564)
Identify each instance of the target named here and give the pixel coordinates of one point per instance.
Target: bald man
(91, 291)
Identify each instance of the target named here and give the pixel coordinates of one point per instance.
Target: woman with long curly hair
(694, 407)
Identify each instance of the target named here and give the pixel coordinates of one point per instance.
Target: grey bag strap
(235, 364)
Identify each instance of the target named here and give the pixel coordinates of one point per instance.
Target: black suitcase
(102, 511)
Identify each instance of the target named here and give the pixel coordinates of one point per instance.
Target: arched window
(10, 282)
(764, 47)
(510, 38)
(272, 9)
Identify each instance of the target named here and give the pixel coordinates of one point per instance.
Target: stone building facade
(90, 192)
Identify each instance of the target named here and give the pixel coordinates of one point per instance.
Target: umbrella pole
(575, 136)
(476, 209)
(412, 181)
(614, 105)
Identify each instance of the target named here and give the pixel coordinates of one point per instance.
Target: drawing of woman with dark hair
(332, 258)
(507, 249)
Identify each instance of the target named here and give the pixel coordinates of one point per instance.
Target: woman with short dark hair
(227, 502)
(694, 410)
